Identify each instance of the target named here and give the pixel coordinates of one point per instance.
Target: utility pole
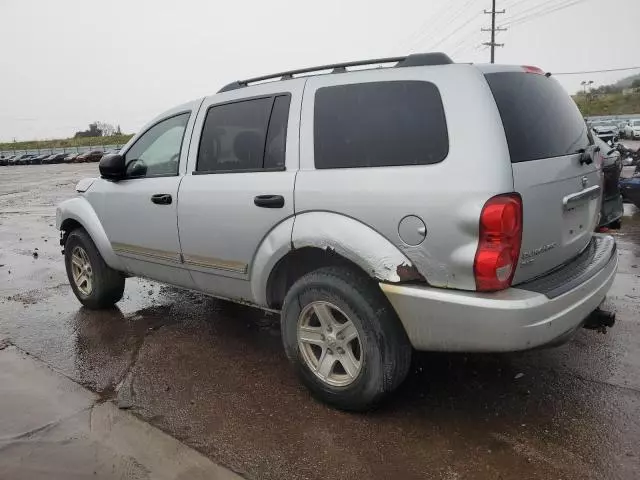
(493, 30)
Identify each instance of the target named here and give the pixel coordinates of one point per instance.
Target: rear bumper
(511, 320)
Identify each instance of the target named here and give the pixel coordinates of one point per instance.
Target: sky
(66, 63)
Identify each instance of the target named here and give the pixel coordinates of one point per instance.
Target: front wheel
(95, 284)
(343, 338)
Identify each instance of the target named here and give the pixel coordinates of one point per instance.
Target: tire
(105, 286)
(382, 349)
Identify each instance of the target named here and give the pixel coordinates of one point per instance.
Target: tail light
(532, 69)
(499, 244)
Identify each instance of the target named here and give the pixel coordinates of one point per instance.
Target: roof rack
(414, 60)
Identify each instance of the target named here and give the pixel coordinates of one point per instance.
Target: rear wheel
(343, 338)
(94, 283)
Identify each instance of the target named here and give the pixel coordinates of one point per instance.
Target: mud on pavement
(213, 374)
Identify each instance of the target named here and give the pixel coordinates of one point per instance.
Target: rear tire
(368, 346)
(96, 285)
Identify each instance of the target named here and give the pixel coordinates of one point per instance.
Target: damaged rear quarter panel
(354, 241)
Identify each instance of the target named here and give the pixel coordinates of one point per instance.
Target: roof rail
(414, 60)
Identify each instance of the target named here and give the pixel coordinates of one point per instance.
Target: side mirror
(112, 166)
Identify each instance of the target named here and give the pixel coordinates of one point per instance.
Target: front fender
(355, 241)
(80, 210)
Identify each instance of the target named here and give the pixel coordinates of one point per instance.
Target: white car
(632, 129)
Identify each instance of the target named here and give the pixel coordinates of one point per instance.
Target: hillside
(608, 104)
(627, 81)
(66, 142)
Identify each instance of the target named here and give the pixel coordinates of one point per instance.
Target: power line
(417, 35)
(598, 71)
(536, 15)
(530, 10)
(442, 30)
(458, 28)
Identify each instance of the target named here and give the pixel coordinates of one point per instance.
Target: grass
(609, 104)
(66, 142)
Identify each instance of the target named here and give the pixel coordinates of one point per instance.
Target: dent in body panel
(354, 241)
(456, 269)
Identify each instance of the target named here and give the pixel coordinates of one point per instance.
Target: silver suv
(428, 205)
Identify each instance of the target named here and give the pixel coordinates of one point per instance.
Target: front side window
(379, 124)
(247, 135)
(157, 151)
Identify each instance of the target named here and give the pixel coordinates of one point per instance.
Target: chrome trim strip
(126, 249)
(217, 263)
(588, 193)
(193, 260)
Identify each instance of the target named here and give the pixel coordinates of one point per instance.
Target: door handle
(161, 198)
(269, 201)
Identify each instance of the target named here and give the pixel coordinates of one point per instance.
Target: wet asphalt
(213, 374)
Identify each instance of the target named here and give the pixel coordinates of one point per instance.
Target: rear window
(379, 124)
(540, 119)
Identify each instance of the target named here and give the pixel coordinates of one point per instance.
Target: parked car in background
(37, 160)
(70, 157)
(17, 159)
(54, 158)
(92, 156)
(611, 209)
(621, 125)
(275, 189)
(605, 129)
(632, 129)
(22, 159)
(630, 189)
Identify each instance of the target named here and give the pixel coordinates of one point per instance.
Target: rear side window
(540, 119)
(248, 135)
(379, 124)
(274, 152)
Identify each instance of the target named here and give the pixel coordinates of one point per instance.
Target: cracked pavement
(213, 374)
(52, 428)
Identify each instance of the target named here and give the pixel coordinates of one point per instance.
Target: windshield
(636, 123)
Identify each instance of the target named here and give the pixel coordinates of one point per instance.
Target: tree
(635, 83)
(118, 131)
(106, 128)
(93, 131)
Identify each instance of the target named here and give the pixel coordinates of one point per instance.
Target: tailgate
(560, 192)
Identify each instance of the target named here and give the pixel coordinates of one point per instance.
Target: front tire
(343, 338)
(96, 285)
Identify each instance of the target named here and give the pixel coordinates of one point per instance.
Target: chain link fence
(40, 151)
